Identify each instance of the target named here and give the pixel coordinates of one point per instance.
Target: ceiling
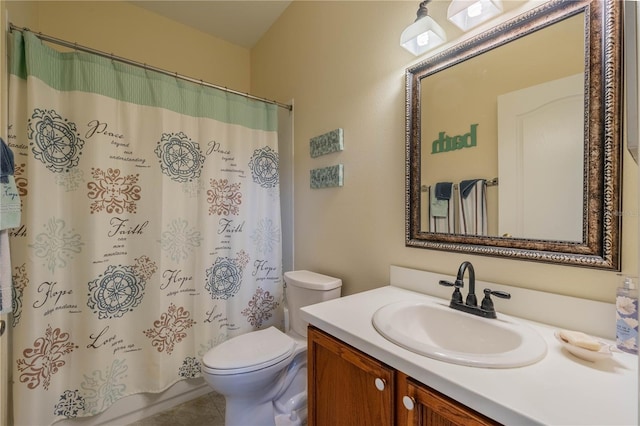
(241, 22)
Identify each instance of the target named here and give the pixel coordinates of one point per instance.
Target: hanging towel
(9, 198)
(473, 207)
(439, 199)
(441, 212)
(444, 190)
(467, 185)
(5, 274)
(438, 208)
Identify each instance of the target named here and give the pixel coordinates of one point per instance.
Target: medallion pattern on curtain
(150, 228)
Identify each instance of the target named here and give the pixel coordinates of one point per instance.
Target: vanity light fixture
(466, 14)
(424, 34)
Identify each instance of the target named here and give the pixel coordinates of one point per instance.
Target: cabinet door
(419, 405)
(346, 386)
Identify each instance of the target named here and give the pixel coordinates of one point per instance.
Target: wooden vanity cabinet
(418, 405)
(346, 386)
(349, 388)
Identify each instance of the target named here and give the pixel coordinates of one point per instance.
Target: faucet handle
(487, 303)
(498, 293)
(446, 283)
(456, 297)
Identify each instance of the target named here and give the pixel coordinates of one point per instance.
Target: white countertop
(558, 390)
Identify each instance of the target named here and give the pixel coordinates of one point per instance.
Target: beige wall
(343, 64)
(135, 33)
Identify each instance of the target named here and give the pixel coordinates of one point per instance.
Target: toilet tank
(307, 288)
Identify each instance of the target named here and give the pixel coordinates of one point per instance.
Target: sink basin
(434, 330)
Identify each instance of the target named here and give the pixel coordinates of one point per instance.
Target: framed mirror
(513, 139)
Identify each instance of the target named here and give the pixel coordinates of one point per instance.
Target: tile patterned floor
(207, 410)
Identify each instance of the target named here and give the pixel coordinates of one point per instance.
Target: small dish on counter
(586, 354)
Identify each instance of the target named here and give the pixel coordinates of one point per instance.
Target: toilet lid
(250, 352)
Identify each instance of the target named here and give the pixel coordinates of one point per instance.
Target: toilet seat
(249, 352)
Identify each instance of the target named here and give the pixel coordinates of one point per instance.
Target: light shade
(466, 14)
(423, 35)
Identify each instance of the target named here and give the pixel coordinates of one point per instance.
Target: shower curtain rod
(76, 46)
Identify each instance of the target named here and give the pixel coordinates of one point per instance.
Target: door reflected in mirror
(541, 161)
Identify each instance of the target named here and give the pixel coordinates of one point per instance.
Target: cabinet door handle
(380, 384)
(408, 402)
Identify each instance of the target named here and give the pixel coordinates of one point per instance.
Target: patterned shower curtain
(150, 228)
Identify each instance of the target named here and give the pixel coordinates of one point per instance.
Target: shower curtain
(150, 228)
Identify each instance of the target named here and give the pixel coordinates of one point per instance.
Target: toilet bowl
(263, 374)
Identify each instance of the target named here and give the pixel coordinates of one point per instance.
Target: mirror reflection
(503, 139)
(514, 138)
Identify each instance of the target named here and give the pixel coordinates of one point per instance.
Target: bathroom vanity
(350, 387)
(354, 372)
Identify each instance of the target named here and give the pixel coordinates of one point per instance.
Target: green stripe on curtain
(69, 71)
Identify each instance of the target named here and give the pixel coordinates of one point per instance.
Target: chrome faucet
(470, 305)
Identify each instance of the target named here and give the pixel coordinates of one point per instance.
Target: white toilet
(263, 374)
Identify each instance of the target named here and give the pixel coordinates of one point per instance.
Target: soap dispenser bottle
(627, 317)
